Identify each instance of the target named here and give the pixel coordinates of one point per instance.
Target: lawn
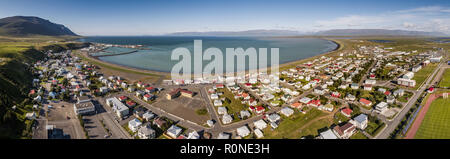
(359, 135)
(235, 106)
(436, 124)
(289, 127)
(445, 82)
(422, 75)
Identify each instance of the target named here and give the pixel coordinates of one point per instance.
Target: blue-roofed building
(360, 121)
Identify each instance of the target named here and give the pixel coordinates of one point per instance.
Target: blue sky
(145, 17)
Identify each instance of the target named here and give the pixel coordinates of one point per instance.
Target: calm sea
(158, 58)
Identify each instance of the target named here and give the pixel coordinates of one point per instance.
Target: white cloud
(429, 18)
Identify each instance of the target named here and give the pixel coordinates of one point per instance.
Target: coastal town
(362, 92)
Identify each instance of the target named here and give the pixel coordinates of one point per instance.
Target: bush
(202, 112)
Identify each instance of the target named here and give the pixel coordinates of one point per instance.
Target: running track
(415, 126)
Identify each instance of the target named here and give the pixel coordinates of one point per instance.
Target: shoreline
(339, 47)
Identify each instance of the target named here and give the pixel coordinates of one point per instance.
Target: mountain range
(28, 26)
(334, 32)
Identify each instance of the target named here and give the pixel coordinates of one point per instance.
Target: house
(174, 94)
(305, 100)
(347, 112)
(243, 131)
(226, 119)
(345, 131)
(336, 94)
(350, 97)
(217, 103)
(148, 116)
(214, 96)
(286, 111)
(274, 117)
(328, 135)
(368, 87)
(260, 124)
(174, 131)
(210, 123)
(365, 102)
(381, 107)
(222, 110)
(146, 132)
(406, 82)
(408, 75)
(245, 114)
(134, 124)
(314, 103)
(131, 104)
(258, 133)
(260, 110)
(399, 92)
(296, 105)
(149, 97)
(223, 135)
(118, 107)
(187, 93)
(354, 86)
(150, 90)
(390, 99)
(159, 122)
(360, 121)
(193, 135)
(370, 82)
(319, 91)
(327, 107)
(84, 108)
(140, 93)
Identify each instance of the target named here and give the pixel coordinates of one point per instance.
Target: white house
(174, 131)
(243, 131)
(134, 124)
(260, 124)
(146, 132)
(226, 119)
(259, 134)
(222, 110)
(360, 121)
(286, 111)
(381, 107)
(328, 135)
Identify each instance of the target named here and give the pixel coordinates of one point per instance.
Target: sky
(157, 17)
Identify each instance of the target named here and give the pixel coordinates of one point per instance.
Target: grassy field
(290, 127)
(359, 135)
(422, 75)
(436, 124)
(445, 82)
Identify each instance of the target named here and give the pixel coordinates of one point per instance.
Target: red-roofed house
(123, 98)
(131, 103)
(347, 112)
(365, 102)
(336, 94)
(314, 103)
(260, 110)
(150, 89)
(220, 86)
(148, 97)
(296, 105)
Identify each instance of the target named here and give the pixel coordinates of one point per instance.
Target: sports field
(436, 124)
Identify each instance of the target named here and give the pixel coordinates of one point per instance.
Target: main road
(391, 127)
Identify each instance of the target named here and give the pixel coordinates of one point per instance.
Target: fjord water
(158, 58)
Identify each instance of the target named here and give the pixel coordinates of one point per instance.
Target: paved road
(391, 127)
